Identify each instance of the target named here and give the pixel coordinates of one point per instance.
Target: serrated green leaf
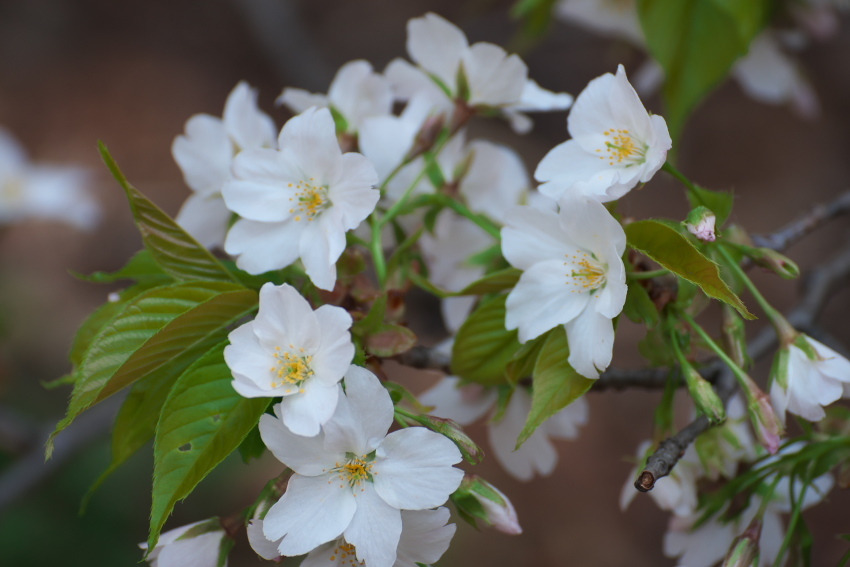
(639, 308)
(141, 267)
(163, 327)
(666, 246)
(720, 202)
(179, 254)
(556, 383)
(493, 283)
(202, 422)
(483, 347)
(524, 360)
(696, 42)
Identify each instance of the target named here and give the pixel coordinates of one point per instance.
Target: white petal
(205, 219)
(832, 364)
(496, 180)
(408, 82)
(385, 141)
(536, 98)
(565, 424)
(375, 529)
(307, 456)
(260, 202)
(247, 125)
(413, 469)
(263, 246)
(259, 543)
(199, 551)
(531, 236)
(542, 300)
(311, 512)
(354, 191)
(569, 171)
(299, 100)
(286, 318)
(336, 351)
(331, 554)
(310, 139)
(437, 45)
(244, 355)
(425, 537)
(314, 247)
(464, 404)
(357, 92)
(204, 154)
(304, 412)
(588, 224)
(537, 454)
(591, 339)
(495, 78)
(363, 415)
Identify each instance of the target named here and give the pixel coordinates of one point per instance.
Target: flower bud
(477, 498)
(471, 452)
(703, 395)
(745, 549)
(767, 425)
(700, 223)
(778, 263)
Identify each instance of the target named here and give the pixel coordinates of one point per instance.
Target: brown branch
(430, 358)
(797, 229)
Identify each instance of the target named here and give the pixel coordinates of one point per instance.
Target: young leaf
(696, 42)
(639, 308)
(179, 254)
(675, 252)
(164, 327)
(556, 384)
(493, 283)
(202, 422)
(483, 347)
(142, 268)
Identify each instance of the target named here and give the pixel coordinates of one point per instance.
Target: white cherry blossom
(289, 350)
(573, 275)
(31, 190)
(192, 545)
(298, 201)
(490, 77)
(467, 403)
(807, 376)
(425, 537)
(205, 153)
(615, 144)
(352, 480)
(356, 93)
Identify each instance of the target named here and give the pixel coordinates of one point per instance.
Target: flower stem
(784, 330)
(743, 378)
(486, 224)
(647, 275)
(669, 168)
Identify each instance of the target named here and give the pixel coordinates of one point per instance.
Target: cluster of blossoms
(348, 174)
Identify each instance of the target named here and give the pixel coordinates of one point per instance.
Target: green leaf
(696, 42)
(493, 283)
(179, 254)
(524, 360)
(161, 328)
(639, 308)
(556, 383)
(142, 268)
(675, 252)
(252, 447)
(202, 422)
(720, 202)
(483, 347)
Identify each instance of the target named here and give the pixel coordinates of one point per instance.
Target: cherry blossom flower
(425, 537)
(676, 492)
(298, 201)
(806, 376)
(356, 93)
(31, 190)
(352, 480)
(193, 545)
(615, 144)
(481, 75)
(467, 403)
(573, 275)
(289, 350)
(205, 153)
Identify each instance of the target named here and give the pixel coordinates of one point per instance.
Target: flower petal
(436, 45)
(464, 404)
(425, 537)
(247, 126)
(285, 318)
(364, 417)
(263, 246)
(204, 154)
(531, 236)
(591, 340)
(311, 512)
(413, 469)
(307, 456)
(375, 528)
(205, 219)
(310, 139)
(537, 454)
(306, 411)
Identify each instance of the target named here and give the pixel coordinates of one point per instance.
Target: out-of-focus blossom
(677, 492)
(193, 545)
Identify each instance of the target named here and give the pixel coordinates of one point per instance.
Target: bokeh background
(131, 73)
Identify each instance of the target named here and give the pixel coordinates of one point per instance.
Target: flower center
(586, 273)
(354, 470)
(621, 148)
(309, 201)
(345, 552)
(292, 369)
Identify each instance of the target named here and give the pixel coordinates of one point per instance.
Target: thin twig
(797, 229)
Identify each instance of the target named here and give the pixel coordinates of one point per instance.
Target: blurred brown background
(130, 73)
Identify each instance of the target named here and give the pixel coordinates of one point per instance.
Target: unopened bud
(745, 549)
(471, 452)
(702, 393)
(767, 425)
(735, 338)
(778, 263)
(479, 499)
(700, 223)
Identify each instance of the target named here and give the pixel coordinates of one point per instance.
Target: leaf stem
(647, 275)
